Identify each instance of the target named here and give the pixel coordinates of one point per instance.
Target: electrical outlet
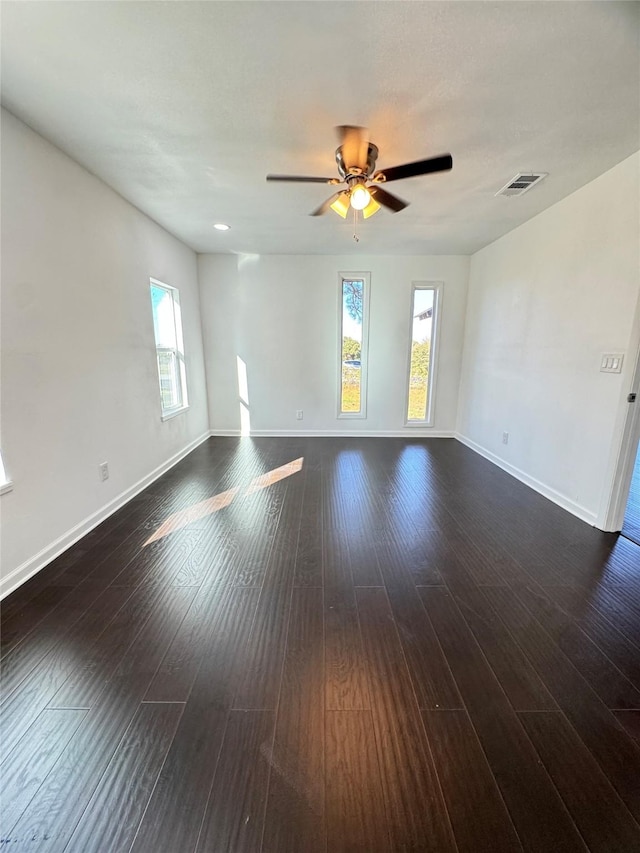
(104, 470)
(505, 438)
(298, 414)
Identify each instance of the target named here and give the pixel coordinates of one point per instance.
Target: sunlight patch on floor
(179, 520)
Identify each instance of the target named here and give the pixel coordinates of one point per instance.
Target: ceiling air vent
(521, 183)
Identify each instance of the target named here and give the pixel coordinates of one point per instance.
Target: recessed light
(220, 226)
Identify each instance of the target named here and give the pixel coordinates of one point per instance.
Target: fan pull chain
(355, 225)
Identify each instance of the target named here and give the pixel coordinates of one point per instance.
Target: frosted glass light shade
(360, 197)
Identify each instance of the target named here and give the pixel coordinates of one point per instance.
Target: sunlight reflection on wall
(243, 394)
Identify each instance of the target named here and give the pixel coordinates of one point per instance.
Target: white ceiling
(184, 107)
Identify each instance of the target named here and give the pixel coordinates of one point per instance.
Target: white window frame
(167, 413)
(438, 288)
(5, 483)
(365, 277)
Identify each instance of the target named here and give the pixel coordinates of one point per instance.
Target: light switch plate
(611, 362)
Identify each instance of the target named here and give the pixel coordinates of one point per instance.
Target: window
(5, 483)
(425, 299)
(167, 326)
(354, 321)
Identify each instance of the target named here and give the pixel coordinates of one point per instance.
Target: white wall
(280, 314)
(545, 302)
(79, 378)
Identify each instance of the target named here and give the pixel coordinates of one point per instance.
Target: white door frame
(625, 445)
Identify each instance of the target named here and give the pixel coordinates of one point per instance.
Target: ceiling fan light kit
(356, 159)
(341, 204)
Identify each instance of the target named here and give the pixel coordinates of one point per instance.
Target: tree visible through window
(167, 327)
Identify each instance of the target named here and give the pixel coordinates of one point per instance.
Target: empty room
(319, 500)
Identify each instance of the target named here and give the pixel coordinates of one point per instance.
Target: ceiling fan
(356, 159)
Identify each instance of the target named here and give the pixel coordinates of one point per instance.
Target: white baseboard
(33, 565)
(557, 497)
(328, 433)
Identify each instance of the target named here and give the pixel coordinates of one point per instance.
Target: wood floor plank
(63, 621)
(27, 766)
(209, 620)
(210, 561)
(359, 490)
(610, 604)
(345, 686)
(345, 681)
(308, 570)
(630, 721)
(62, 798)
(605, 678)
(49, 644)
(255, 518)
(407, 494)
(600, 630)
(234, 818)
(126, 786)
(610, 745)
(434, 549)
(88, 681)
(61, 660)
(14, 628)
(480, 820)
(539, 816)
(159, 561)
(517, 677)
(87, 553)
(294, 817)
(483, 569)
(176, 809)
(92, 577)
(260, 685)
(604, 821)
(418, 818)
(431, 676)
(98, 540)
(453, 568)
(355, 810)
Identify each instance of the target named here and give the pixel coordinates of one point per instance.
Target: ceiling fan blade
(324, 207)
(303, 179)
(355, 145)
(385, 198)
(420, 167)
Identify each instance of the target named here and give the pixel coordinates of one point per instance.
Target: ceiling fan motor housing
(345, 170)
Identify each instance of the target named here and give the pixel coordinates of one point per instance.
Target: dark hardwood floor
(300, 645)
(631, 524)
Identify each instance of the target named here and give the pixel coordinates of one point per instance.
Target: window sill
(166, 416)
(421, 424)
(6, 487)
